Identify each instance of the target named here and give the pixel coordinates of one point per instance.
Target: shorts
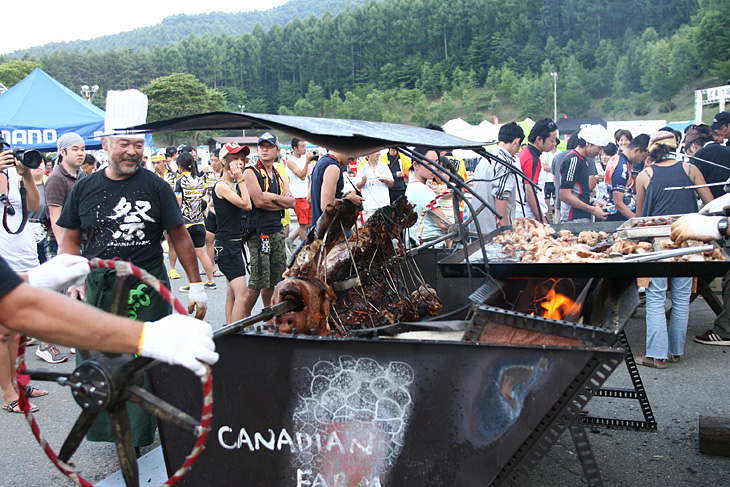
(197, 233)
(267, 272)
(210, 222)
(549, 190)
(230, 259)
(303, 211)
(286, 219)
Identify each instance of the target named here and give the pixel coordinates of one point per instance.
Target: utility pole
(555, 95)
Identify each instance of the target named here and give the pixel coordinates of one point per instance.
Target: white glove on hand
(696, 227)
(179, 340)
(60, 272)
(716, 205)
(197, 300)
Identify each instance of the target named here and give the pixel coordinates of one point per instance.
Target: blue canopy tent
(39, 109)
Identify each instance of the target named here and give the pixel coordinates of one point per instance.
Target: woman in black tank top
(230, 197)
(667, 345)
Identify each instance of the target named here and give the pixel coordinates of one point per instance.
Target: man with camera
(18, 195)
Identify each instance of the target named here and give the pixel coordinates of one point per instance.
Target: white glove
(716, 205)
(179, 340)
(197, 300)
(696, 227)
(60, 272)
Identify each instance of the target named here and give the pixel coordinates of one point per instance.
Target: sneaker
(72, 351)
(711, 338)
(209, 285)
(50, 354)
(31, 341)
(173, 274)
(185, 288)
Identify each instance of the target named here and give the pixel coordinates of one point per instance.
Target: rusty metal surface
(307, 409)
(355, 137)
(455, 265)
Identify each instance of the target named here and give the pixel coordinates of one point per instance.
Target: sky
(54, 21)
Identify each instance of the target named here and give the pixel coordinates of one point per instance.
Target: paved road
(678, 395)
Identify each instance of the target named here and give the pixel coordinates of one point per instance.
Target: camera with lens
(30, 158)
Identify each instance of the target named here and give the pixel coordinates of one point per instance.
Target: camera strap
(24, 210)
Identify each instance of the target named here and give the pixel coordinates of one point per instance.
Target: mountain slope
(175, 28)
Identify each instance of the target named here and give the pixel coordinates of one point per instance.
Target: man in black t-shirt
(123, 211)
(576, 181)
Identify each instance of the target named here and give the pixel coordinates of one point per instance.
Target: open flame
(556, 305)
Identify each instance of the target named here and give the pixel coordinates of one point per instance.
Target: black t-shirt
(719, 154)
(399, 183)
(124, 218)
(9, 280)
(574, 173)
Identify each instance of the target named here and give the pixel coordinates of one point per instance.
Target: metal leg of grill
(585, 454)
(638, 392)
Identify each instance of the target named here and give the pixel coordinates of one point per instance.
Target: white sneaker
(50, 354)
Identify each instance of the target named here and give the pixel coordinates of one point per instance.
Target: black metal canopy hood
(352, 137)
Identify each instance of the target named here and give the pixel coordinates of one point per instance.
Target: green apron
(144, 305)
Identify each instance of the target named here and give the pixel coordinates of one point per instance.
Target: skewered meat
(316, 299)
(655, 221)
(368, 258)
(534, 242)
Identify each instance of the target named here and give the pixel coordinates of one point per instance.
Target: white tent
(484, 132)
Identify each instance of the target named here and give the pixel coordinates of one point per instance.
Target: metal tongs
(665, 254)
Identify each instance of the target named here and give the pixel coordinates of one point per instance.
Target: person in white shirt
(494, 182)
(373, 179)
(431, 222)
(297, 168)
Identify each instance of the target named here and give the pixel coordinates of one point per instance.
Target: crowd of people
(236, 214)
(597, 179)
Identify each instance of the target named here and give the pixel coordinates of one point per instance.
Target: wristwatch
(722, 226)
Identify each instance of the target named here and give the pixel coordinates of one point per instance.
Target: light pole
(89, 92)
(555, 95)
(242, 108)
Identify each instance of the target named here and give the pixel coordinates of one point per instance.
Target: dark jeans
(722, 322)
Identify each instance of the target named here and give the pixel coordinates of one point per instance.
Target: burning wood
(362, 274)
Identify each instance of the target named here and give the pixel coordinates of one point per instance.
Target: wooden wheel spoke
(161, 409)
(76, 436)
(122, 431)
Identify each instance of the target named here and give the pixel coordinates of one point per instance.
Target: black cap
(722, 118)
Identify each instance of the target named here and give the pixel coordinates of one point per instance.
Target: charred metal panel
(305, 411)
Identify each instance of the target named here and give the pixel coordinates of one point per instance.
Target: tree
(14, 71)
(178, 95)
(532, 98)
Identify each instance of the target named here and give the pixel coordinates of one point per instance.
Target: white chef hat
(124, 109)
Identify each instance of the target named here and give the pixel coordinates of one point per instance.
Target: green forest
(421, 61)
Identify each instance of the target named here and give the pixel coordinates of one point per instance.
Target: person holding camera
(19, 196)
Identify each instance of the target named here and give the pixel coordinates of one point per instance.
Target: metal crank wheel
(104, 382)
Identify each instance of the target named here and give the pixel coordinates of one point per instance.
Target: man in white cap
(123, 212)
(71, 154)
(576, 182)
